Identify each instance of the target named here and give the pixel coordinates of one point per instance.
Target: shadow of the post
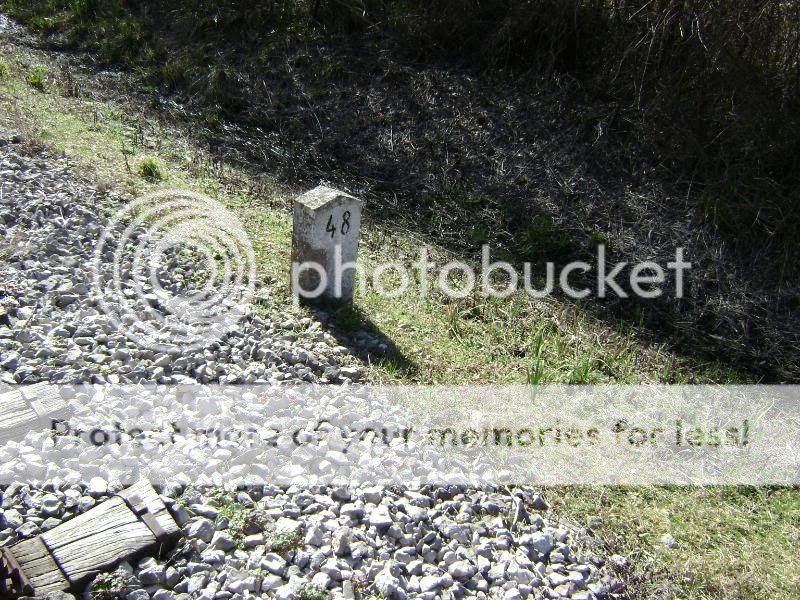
(352, 328)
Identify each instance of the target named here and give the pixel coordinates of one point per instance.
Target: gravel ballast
(241, 541)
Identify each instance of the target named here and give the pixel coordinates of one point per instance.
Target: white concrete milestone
(326, 228)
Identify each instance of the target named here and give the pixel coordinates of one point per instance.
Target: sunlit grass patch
(150, 170)
(37, 78)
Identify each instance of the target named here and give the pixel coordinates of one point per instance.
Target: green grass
(37, 78)
(3, 69)
(732, 542)
(514, 340)
(150, 170)
(111, 586)
(240, 518)
(283, 542)
(601, 238)
(313, 593)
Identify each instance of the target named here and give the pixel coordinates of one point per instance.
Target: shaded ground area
(533, 167)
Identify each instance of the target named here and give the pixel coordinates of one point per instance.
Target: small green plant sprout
(37, 77)
(241, 519)
(311, 592)
(600, 238)
(284, 541)
(149, 169)
(581, 374)
(535, 372)
(113, 586)
(3, 69)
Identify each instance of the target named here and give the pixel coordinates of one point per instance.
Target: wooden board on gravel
(29, 407)
(127, 525)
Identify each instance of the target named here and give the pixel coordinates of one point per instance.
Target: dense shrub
(720, 79)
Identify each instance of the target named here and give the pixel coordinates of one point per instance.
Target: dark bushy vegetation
(720, 77)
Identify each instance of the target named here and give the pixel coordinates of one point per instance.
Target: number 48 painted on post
(343, 229)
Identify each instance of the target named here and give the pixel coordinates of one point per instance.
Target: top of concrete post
(321, 196)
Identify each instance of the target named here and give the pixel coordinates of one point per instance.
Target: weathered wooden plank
(106, 516)
(36, 567)
(12, 399)
(35, 556)
(34, 390)
(44, 399)
(14, 421)
(144, 500)
(14, 408)
(29, 407)
(91, 555)
(27, 548)
(123, 527)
